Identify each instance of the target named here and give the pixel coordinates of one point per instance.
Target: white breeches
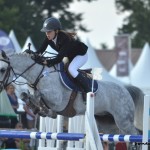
(77, 63)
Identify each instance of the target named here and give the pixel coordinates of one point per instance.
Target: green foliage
(22, 145)
(137, 23)
(26, 17)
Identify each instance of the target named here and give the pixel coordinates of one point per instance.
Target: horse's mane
(22, 54)
(16, 53)
(25, 56)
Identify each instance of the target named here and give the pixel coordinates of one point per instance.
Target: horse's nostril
(1, 89)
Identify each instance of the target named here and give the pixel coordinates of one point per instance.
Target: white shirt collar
(54, 40)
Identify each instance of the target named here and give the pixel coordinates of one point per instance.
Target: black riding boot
(84, 82)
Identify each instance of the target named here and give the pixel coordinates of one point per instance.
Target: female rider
(67, 46)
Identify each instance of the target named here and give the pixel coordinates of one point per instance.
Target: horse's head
(4, 70)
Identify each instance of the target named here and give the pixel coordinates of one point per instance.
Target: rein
(5, 83)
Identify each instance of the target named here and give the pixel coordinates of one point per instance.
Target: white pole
(92, 136)
(50, 127)
(60, 122)
(42, 129)
(146, 122)
(70, 129)
(89, 113)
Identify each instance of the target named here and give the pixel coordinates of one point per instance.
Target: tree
(26, 17)
(137, 23)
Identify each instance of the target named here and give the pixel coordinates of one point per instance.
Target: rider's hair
(71, 35)
(8, 86)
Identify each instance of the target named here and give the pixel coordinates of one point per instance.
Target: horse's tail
(138, 98)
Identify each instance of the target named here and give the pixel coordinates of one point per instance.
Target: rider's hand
(37, 58)
(50, 62)
(45, 62)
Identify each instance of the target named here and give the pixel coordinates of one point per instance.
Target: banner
(122, 43)
(6, 43)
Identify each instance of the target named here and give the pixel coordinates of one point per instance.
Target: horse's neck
(20, 62)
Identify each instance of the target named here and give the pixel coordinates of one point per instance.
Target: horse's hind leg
(125, 124)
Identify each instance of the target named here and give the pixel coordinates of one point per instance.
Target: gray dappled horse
(110, 98)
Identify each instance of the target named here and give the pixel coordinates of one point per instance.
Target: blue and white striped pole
(121, 138)
(41, 135)
(68, 136)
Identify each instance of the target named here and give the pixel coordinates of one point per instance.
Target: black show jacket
(65, 46)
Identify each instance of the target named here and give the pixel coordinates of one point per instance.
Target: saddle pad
(69, 83)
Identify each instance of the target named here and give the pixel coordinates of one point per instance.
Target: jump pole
(146, 122)
(68, 136)
(93, 141)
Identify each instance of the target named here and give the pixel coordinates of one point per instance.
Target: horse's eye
(2, 70)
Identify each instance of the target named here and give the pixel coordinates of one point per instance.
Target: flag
(96, 72)
(122, 43)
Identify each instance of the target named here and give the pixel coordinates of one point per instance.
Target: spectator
(30, 116)
(22, 144)
(121, 146)
(105, 146)
(10, 89)
(16, 143)
(8, 143)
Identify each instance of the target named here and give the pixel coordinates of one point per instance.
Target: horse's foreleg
(45, 111)
(38, 107)
(29, 100)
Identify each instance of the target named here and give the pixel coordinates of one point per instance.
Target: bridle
(4, 82)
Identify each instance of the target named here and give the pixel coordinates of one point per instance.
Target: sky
(101, 17)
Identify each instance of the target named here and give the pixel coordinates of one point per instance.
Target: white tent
(94, 62)
(5, 105)
(6, 43)
(15, 42)
(125, 79)
(28, 40)
(140, 75)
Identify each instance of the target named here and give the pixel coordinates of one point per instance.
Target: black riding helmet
(51, 24)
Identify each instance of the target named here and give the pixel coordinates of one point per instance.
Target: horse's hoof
(42, 114)
(52, 114)
(36, 110)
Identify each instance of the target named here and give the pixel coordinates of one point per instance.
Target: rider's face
(50, 34)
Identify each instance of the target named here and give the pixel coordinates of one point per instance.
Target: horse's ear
(4, 55)
(28, 92)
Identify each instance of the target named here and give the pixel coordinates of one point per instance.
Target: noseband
(4, 81)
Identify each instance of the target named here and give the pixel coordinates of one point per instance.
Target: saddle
(71, 83)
